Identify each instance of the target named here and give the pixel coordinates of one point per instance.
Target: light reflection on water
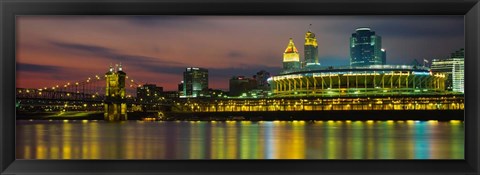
(240, 140)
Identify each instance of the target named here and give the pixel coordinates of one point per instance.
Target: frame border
(11, 8)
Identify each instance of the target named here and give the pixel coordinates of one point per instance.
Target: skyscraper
(291, 58)
(195, 82)
(365, 48)
(311, 49)
(453, 67)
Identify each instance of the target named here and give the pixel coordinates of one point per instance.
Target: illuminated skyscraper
(195, 82)
(311, 49)
(291, 58)
(365, 48)
(453, 67)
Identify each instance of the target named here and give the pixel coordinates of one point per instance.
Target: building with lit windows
(239, 85)
(171, 94)
(365, 48)
(311, 49)
(149, 93)
(195, 82)
(453, 67)
(291, 58)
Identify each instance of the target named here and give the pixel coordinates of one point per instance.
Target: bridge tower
(115, 104)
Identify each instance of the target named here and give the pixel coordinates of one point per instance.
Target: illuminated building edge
(355, 81)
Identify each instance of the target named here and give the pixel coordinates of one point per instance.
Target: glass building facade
(195, 82)
(365, 48)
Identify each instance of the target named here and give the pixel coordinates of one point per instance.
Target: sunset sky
(157, 49)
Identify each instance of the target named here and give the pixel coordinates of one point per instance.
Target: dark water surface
(240, 140)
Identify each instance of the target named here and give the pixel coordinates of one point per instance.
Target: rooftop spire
(291, 47)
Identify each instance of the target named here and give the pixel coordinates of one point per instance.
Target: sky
(156, 49)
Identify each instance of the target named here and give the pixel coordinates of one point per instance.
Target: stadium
(373, 80)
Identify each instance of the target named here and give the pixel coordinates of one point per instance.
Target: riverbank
(442, 115)
(78, 115)
(325, 115)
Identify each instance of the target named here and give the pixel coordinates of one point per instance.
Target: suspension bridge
(94, 94)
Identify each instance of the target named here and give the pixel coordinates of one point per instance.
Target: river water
(42, 139)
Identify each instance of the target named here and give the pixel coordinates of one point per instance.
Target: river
(88, 139)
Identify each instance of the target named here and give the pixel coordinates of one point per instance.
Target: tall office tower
(365, 48)
(384, 56)
(291, 58)
(311, 49)
(454, 68)
(195, 82)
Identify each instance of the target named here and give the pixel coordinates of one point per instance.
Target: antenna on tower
(120, 67)
(309, 27)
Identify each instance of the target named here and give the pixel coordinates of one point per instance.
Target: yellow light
(455, 121)
(369, 121)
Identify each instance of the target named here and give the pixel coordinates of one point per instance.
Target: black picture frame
(9, 9)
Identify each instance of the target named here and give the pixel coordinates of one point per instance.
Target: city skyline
(157, 49)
